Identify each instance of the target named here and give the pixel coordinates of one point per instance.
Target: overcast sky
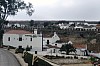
(62, 10)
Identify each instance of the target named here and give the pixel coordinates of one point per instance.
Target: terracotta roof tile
(18, 32)
(98, 25)
(47, 35)
(79, 45)
(50, 46)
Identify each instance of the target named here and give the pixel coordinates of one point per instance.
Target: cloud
(63, 9)
(42, 2)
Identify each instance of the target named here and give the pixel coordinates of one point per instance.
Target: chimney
(35, 31)
(54, 33)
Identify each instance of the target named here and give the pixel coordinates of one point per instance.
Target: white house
(50, 40)
(78, 27)
(23, 38)
(63, 26)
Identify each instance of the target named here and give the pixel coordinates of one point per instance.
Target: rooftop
(80, 46)
(18, 32)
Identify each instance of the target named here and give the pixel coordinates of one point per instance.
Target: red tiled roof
(49, 35)
(79, 45)
(18, 32)
(50, 46)
(98, 25)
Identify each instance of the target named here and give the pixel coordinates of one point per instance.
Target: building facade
(51, 40)
(23, 38)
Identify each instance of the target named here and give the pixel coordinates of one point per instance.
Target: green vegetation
(28, 48)
(28, 58)
(93, 59)
(19, 50)
(31, 23)
(67, 48)
(11, 7)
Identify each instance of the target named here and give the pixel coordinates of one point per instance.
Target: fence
(37, 60)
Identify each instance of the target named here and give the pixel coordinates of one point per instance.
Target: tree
(46, 24)
(6, 22)
(19, 50)
(67, 48)
(28, 48)
(11, 7)
(31, 22)
(63, 21)
(72, 25)
(99, 22)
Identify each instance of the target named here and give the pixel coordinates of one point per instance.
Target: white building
(63, 26)
(78, 27)
(23, 38)
(50, 40)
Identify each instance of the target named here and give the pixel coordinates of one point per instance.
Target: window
(20, 38)
(30, 47)
(55, 44)
(8, 38)
(54, 50)
(47, 41)
(30, 39)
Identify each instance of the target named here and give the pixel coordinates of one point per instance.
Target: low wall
(41, 61)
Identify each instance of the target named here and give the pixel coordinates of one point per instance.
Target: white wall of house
(58, 44)
(45, 41)
(52, 39)
(63, 26)
(36, 42)
(80, 27)
(79, 52)
(55, 38)
(53, 50)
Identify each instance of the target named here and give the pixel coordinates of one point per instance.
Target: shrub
(28, 48)
(75, 57)
(11, 47)
(28, 58)
(19, 50)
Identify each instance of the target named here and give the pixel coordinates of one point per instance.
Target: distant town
(54, 43)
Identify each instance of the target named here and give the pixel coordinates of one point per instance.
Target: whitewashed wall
(53, 50)
(36, 42)
(45, 41)
(55, 38)
(52, 39)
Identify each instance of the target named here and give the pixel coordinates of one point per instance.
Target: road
(7, 59)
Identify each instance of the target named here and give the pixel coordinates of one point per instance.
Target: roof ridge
(18, 32)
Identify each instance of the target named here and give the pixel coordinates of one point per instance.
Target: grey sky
(62, 9)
